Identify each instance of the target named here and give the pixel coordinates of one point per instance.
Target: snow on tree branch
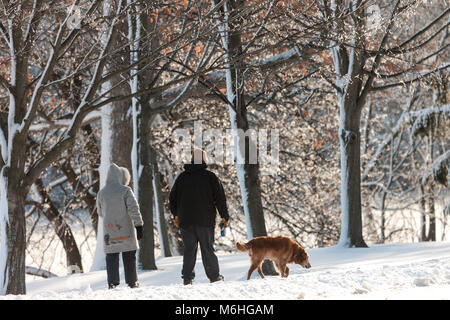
(439, 170)
(423, 120)
(39, 272)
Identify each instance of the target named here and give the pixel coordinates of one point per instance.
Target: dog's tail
(243, 246)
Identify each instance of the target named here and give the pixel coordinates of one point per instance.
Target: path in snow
(399, 271)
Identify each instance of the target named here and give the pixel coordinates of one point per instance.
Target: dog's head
(302, 258)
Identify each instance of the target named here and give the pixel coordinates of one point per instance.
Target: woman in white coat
(122, 225)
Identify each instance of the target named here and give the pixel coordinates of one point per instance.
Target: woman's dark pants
(129, 265)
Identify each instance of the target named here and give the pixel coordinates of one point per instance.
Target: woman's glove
(139, 232)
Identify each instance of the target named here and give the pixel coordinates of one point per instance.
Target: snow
(395, 271)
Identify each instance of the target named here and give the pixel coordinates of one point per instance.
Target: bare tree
(358, 62)
(22, 24)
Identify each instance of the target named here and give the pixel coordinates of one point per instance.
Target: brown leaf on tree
(318, 144)
(389, 66)
(199, 49)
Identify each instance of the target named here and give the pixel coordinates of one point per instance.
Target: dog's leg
(286, 271)
(280, 267)
(260, 270)
(250, 271)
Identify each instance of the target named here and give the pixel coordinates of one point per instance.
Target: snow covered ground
(395, 271)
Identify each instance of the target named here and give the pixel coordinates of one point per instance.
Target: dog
(281, 250)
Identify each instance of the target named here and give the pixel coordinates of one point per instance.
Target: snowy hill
(399, 271)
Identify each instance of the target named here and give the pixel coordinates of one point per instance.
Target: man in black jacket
(194, 197)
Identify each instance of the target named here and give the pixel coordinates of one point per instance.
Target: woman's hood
(115, 174)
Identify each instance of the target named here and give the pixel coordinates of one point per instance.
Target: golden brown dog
(281, 250)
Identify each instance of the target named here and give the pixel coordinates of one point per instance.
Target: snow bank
(400, 271)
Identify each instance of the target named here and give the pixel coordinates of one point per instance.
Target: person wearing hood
(194, 198)
(122, 225)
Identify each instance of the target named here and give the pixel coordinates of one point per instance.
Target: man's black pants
(192, 236)
(129, 265)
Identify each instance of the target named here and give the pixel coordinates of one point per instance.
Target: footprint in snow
(422, 282)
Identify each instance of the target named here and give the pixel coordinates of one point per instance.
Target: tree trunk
(116, 148)
(117, 138)
(63, 231)
(122, 134)
(423, 216)
(248, 175)
(350, 140)
(383, 217)
(247, 172)
(87, 194)
(13, 173)
(16, 239)
(159, 206)
(147, 243)
(141, 34)
(349, 69)
(432, 215)
(176, 242)
(431, 210)
(117, 132)
(13, 158)
(13, 203)
(440, 94)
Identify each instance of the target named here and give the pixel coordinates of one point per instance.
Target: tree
(429, 123)
(20, 33)
(358, 62)
(117, 130)
(229, 26)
